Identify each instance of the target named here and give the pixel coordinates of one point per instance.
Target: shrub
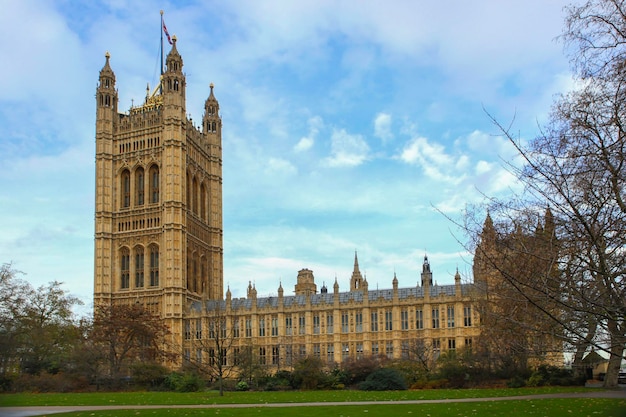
(384, 379)
(242, 386)
(148, 374)
(188, 382)
(516, 382)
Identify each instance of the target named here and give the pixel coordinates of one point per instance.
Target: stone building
(334, 326)
(158, 242)
(158, 214)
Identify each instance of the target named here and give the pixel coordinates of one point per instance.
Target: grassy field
(539, 408)
(571, 407)
(212, 397)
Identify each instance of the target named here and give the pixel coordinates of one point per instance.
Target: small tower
(211, 121)
(356, 282)
(427, 275)
(306, 283)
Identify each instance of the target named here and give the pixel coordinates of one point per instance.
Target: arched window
(139, 186)
(154, 266)
(125, 269)
(126, 188)
(194, 196)
(154, 184)
(203, 279)
(188, 193)
(203, 202)
(139, 267)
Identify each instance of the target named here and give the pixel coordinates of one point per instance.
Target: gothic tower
(158, 216)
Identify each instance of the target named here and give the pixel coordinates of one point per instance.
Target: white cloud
(347, 150)
(382, 127)
(304, 144)
(307, 142)
(281, 166)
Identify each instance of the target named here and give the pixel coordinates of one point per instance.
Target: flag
(166, 33)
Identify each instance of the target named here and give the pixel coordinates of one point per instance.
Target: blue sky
(347, 125)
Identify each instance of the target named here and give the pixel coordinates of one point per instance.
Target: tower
(158, 215)
(356, 280)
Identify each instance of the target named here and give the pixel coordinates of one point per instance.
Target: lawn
(212, 397)
(510, 408)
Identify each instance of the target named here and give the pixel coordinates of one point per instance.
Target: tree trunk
(616, 357)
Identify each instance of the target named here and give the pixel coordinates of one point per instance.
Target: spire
(356, 281)
(211, 121)
(106, 94)
(106, 70)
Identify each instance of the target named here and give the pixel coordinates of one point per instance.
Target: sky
(347, 126)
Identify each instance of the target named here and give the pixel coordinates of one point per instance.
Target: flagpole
(161, 31)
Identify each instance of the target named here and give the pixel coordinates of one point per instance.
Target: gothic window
(154, 184)
(467, 316)
(316, 324)
(344, 323)
(358, 322)
(194, 272)
(330, 353)
(194, 196)
(374, 322)
(262, 359)
(139, 267)
(125, 269)
(139, 186)
(125, 188)
(329, 324)
(435, 318)
(262, 327)
(213, 127)
(203, 215)
(288, 325)
(154, 266)
(188, 193)
(275, 355)
(419, 319)
(450, 316)
(404, 319)
(388, 320)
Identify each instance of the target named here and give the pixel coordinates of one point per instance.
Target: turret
(356, 281)
(211, 121)
(106, 94)
(174, 80)
(305, 283)
(427, 275)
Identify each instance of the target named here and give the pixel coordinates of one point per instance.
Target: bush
(384, 379)
(516, 382)
(242, 386)
(148, 375)
(188, 382)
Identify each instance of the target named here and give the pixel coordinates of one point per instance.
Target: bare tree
(577, 167)
(214, 341)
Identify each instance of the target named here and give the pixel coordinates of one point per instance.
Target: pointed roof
(356, 263)
(106, 70)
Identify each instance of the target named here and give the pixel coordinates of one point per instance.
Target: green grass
(512, 408)
(211, 397)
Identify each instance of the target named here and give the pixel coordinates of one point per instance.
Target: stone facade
(336, 326)
(158, 242)
(158, 215)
